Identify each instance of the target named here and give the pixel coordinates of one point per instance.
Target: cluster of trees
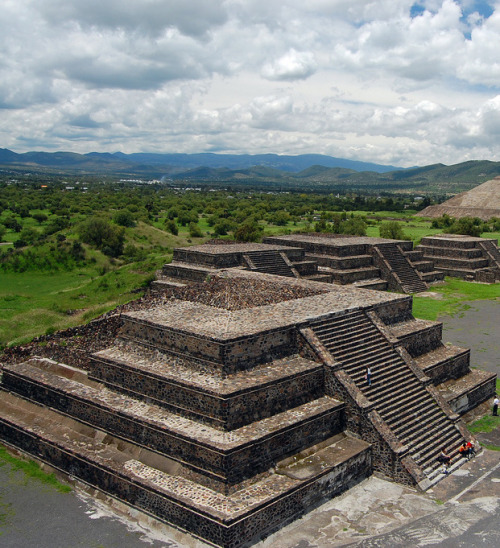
(50, 219)
(341, 224)
(58, 205)
(470, 226)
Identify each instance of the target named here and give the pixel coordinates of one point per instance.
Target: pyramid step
(215, 454)
(431, 423)
(402, 420)
(354, 349)
(226, 403)
(379, 372)
(433, 440)
(368, 358)
(339, 322)
(401, 397)
(354, 332)
(452, 439)
(218, 518)
(419, 411)
(393, 390)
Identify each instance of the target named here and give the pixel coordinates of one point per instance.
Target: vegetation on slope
(72, 250)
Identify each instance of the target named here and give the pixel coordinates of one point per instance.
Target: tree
(195, 231)
(124, 218)
(171, 226)
(222, 227)
(281, 218)
(102, 234)
(56, 224)
(392, 230)
(249, 231)
(28, 235)
(355, 226)
(466, 225)
(13, 224)
(39, 217)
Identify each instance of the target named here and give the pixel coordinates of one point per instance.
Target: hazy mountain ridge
(293, 164)
(306, 171)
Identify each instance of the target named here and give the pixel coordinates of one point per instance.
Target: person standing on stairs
(368, 376)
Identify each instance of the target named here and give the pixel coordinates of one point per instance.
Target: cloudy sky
(389, 81)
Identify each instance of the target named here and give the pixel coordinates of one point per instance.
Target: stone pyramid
(482, 201)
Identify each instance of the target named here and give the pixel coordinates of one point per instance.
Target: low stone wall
(423, 340)
(186, 272)
(449, 241)
(453, 368)
(395, 311)
(306, 268)
(450, 263)
(220, 260)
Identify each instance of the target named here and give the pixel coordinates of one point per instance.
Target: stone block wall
(453, 368)
(227, 356)
(471, 398)
(423, 340)
(223, 411)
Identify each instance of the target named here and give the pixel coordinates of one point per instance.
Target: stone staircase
(400, 269)
(402, 400)
(425, 267)
(269, 262)
(492, 252)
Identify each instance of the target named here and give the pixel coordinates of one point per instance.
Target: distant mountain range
(306, 171)
(183, 162)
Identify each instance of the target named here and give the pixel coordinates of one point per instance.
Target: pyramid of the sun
(482, 201)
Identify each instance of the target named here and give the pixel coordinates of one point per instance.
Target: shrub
(195, 231)
(124, 218)
(354, 226)
(56, 224)
(466, 225)
(222, 227)
(392, 230)
(171, 226)
(103, 235)
(13, 224)
(40, 217)
(249, 231)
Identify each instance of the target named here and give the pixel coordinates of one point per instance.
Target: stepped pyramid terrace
(467, 257)
(231, 406)
(370, 263)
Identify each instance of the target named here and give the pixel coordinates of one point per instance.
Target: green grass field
(33, 304)
(451, 296)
